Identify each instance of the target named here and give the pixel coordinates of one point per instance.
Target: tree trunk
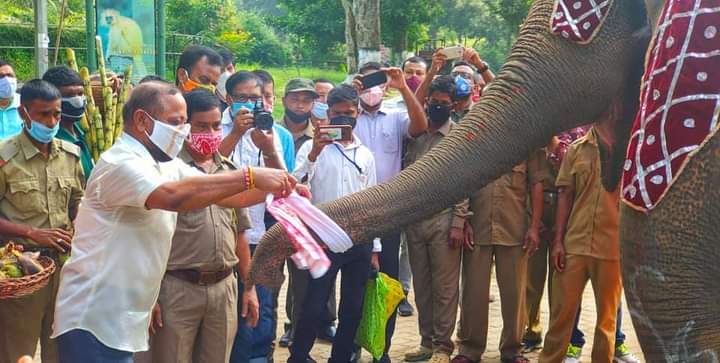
(350, 40)
(362, 32)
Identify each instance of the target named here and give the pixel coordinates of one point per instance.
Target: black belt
(201, 277)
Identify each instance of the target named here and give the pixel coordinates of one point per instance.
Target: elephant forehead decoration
(679, 100)
(579, 20)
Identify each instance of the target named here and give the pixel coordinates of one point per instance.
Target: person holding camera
(336, 164)
(249, 140)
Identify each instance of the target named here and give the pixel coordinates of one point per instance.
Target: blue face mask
(42, 133)
(236, 106)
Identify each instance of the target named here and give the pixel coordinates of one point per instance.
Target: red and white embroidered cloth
(679, 100)
(579, 20)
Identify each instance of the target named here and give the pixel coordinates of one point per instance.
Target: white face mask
(169, 139)
(221, 83)
(8, 87)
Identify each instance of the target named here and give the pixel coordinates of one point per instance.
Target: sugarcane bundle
(109, 97)
(92, 116)
(72, 63)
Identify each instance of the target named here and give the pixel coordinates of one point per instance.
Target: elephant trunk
(544, 87)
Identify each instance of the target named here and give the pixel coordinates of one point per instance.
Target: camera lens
(263, 120)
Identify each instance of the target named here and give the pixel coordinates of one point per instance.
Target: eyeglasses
(245, 98)
(467, 76)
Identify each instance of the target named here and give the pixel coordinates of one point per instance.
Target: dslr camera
(263, 119)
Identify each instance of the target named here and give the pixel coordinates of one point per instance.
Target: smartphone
(453, 52)
(337, 133)
(373, 79)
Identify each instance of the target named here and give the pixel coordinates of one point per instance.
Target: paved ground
(406, 336)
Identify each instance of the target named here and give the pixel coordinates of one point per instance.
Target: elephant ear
(579, 20)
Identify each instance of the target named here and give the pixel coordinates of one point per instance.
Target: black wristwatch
(484, 67)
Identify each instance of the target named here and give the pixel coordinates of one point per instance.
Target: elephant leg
(671, 266)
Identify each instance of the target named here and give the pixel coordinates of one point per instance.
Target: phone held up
(454, 52)
(373, 79)
(336, 132)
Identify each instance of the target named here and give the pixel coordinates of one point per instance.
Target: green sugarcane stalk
(99, 132)
(72, 61)
(110, 124)
(86, 121)
(122, 98)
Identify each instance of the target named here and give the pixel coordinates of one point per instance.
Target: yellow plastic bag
(382, 296)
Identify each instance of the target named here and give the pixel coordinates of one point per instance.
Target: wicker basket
(12, 288)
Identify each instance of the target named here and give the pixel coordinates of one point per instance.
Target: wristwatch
(484, 67)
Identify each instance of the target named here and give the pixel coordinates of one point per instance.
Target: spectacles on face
(245, 98)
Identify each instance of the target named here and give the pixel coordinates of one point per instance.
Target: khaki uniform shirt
(300, 139)
(419, 146)
(205, 238)
(593, 227)
(500, 209)
(37, 192)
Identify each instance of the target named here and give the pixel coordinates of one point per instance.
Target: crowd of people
(162, 228)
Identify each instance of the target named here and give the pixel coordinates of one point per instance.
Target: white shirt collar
(135, 146)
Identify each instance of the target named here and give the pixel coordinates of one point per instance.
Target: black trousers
(355, 267)
(390, 265)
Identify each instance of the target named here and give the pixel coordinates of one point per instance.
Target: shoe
(516, 359)
(328, 334)
(384, 359)
(405, 309)
(573, 354)
(462, 359)
(419, 354)
(624, 355)
(286, 339)
(439, 357)
(530, 346)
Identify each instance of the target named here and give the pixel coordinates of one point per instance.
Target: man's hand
(557, 256)
(304, 191)
(56, 238)
(471, 56)
(396, 78)
(264, 141)
(275, 181)
(438, 62)
(243, 121)
(456, 238)
(375, 261)
(532, 240)
(357, 84)
(155, 319)
(250, 307)
(320, 140)
(469, 240)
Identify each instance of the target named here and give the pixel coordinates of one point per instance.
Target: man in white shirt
(125, 225)
(383, 131)
(333, 170)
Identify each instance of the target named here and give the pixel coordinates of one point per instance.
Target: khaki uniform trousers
(199, 322)
(28, 319)
(436, 278)
(511, 273)
(568, 287)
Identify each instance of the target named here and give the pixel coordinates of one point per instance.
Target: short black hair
(4, 63)
(152, 78)
(38, 89)
(194, 53)
(343, 93)
(370, 66)
(227, 56)
(416, 60)
(200, 100)
(239, 78)
(264, 76)
(461, 62)
(146, 96)
(62, 76)
(443, 84)
(324, 80)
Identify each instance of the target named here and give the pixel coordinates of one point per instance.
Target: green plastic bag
(382, 296)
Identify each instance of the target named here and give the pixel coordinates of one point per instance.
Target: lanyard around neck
(352, 161)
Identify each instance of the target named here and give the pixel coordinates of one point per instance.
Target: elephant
(549, 84)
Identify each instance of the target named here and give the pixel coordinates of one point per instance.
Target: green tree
(316, 27)
(405, 23)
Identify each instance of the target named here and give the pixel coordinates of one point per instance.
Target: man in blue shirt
(10, 122)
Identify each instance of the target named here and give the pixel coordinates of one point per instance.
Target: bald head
(150, 97)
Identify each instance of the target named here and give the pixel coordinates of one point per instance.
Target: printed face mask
(73, 107)
(169, 139)
(8, 87)
(373, 96)
(205, 143)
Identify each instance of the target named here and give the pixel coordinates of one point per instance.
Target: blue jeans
(81, 346)
(578, 338)
(255, 344)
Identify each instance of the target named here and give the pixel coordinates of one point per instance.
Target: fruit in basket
(12, 270)
(28, 263)
(14, 263)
